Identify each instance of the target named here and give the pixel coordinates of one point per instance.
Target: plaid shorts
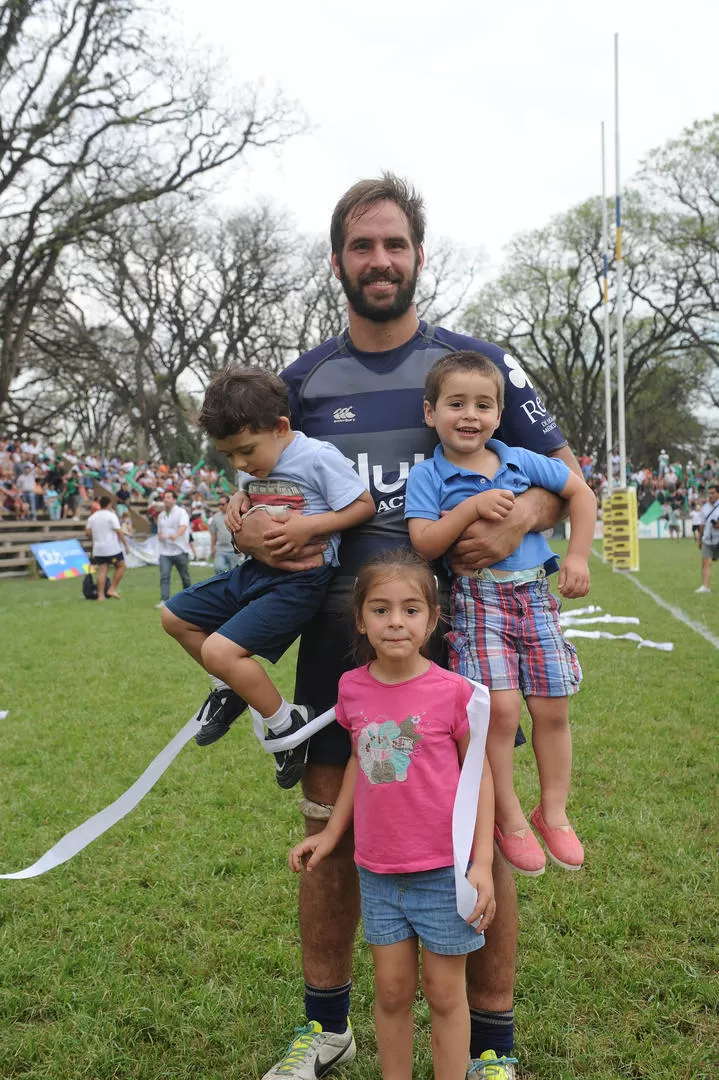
(508, 637)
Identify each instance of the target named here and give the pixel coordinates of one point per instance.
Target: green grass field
(170, 948)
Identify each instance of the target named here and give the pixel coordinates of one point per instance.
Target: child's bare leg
(503, 723)
(242, 673)
(552, 743)
(395, 984)
(443, 982)
(191, 637)
(101, 579)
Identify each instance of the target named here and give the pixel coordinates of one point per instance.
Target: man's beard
(368, 309)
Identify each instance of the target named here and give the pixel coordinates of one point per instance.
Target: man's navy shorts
(261, 609)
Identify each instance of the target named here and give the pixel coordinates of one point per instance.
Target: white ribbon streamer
(289, 742)
(73, 842)
(665, 646)
(570, 619)
(464, 814)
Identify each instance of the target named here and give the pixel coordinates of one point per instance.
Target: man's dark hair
(464, 360)
(364, 194)
(239, 398)
(105, 501)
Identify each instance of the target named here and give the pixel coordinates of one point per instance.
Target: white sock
(281, 720)
(219, 684)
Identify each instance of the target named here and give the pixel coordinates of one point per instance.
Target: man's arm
(488, 542)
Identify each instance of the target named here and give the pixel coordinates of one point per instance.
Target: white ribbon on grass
(595, 635)
(73, 842)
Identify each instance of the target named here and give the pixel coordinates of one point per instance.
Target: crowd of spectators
(679, 488)
(39, 477)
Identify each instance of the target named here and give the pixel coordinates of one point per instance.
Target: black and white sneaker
(218, 713)
(290, 764)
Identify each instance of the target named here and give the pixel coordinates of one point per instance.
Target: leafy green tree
(547, 309)
(682, 182)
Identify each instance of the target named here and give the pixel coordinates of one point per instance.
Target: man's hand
(573, 577)
(488, 542)
(494, 505)
(290, 536)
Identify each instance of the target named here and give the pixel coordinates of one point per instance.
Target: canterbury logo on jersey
(344, 416)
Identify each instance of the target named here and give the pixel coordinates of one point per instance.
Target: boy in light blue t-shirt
(505, 622)
(255, 609)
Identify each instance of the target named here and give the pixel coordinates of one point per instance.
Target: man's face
(713, 494)
(379, 264)
(169, 500)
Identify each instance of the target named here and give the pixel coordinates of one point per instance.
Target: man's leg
(329, 896)
(117, 578)
(165, 573)
(329, 913)
(491, 971)
(182, 564)
(101, 579)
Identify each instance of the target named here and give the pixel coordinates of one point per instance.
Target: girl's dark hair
(243, 398)
(387, 564)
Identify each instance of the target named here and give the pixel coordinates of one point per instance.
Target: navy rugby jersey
(370, 405)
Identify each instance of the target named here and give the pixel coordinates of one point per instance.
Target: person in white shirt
(173, 533)
(108, 540)
(709, 539)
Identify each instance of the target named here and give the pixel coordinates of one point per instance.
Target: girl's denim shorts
(424, 905)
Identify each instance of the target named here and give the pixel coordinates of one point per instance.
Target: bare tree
(96, 114)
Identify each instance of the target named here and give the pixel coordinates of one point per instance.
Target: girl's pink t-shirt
(405, 736)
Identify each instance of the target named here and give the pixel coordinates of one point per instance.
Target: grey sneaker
(220, 710)
(489, 1067)
(290, 764)
(313, 1053)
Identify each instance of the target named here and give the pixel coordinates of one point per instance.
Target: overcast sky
(491, 109)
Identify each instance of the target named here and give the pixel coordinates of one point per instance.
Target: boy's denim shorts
(261, 609)
(424, 905)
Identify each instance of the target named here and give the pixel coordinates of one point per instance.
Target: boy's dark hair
(464, 360)
(364, 194)
(105, 501)
(239, 398)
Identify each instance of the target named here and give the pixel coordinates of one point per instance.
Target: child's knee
(445, 991)
(219, 654)
(396, 991)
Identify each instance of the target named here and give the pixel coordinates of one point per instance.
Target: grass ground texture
(170, 947)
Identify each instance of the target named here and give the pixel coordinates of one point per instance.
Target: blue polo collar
(447, 469)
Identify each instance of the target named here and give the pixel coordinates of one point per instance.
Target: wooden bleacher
(16, 558)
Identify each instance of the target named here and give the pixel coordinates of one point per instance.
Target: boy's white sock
(281, 720)
(218, 683)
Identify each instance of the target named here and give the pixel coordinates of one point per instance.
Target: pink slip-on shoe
(562, 842)
(522, 851)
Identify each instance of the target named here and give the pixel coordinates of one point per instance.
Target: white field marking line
(679, 615)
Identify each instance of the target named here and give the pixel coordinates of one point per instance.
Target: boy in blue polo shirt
(505, 622)
(254, 609)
